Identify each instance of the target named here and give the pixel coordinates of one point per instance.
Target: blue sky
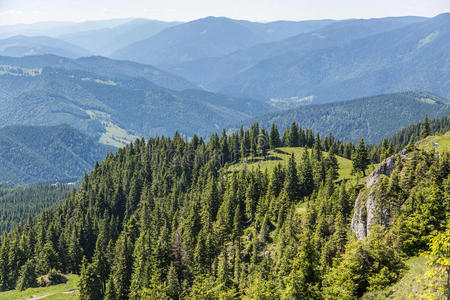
(29, 11)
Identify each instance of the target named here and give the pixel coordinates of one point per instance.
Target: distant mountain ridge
(103, 66)
(55, 29)
(413, 57)
(210, 37)
(105, 41)
(214, 73)
(21, 45)
(371, 117)
(42, 154)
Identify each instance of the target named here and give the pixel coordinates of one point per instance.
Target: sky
(30, 11)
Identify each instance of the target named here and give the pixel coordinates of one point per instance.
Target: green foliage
(360, 158)
(438, 277)
(368, 265)
(165, 219)
(27, 276)
(46, 154)
(20, 203)
(373, 118)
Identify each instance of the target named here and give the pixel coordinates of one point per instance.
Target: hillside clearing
(66, 290)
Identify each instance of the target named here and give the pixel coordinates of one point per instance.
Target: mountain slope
(214, 73)
(113, 110)
(409, 58)
(38, 154)
(102, 66)
(105, 41)
(207, 37)
(20, 45)
(372, 118)
(54, 28)
(163, 212)
(279, 30)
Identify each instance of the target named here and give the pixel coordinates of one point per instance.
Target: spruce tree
(360, 158)
(425, 128)
(173, 284)
(274, 139)
(90, 284)
(293, 135)
(291, 185)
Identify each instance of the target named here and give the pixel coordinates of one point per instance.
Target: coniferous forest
(218, 150)
(169, 218)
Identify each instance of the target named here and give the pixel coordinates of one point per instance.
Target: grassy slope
(442, 140)
(281, 155)
(54, 292)
(409, 287)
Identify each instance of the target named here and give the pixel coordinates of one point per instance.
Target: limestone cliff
(365, 203)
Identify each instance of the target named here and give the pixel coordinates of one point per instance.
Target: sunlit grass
(54, 292)
(281, 156)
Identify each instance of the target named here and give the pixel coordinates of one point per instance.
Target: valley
(216, 156)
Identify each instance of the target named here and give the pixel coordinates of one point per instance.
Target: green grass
(408, 287)
(281, 155)
(442, 140)
(54, 292)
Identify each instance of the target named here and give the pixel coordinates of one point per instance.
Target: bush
(52, 278)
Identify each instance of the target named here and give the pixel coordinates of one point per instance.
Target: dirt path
(50, 294)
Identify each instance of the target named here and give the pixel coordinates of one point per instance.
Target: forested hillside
(47, 154)
(19, 204)
(113, 109)
(105, 67)
(20, 45)
(373, 118)
(163, 219)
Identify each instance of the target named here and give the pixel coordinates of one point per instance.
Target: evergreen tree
(27, 276)
(425, 128)
(293, 136)
(274, 140)
(173, 284)
(291, 185)
(90, 284)
(360, 158)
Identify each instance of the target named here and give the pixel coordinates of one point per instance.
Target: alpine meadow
(166, 150)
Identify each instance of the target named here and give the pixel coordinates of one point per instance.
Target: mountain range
(373, 118)
(20, 45)
(209, 37)
(213, 73)
(104, 41)
(412, 57)
(318, 61)
(113, 109)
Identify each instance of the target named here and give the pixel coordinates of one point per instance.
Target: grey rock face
(365, 202)
(386, 168)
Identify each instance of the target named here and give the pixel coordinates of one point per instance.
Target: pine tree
(90, 284)
(425, 128)
(27, 276)
(293, 135)
(274, 140)
(306, 177)
(292, 182)
(360, 158)
(173, 284)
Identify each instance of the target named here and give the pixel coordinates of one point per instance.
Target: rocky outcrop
(364, 210)
(386, 168)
